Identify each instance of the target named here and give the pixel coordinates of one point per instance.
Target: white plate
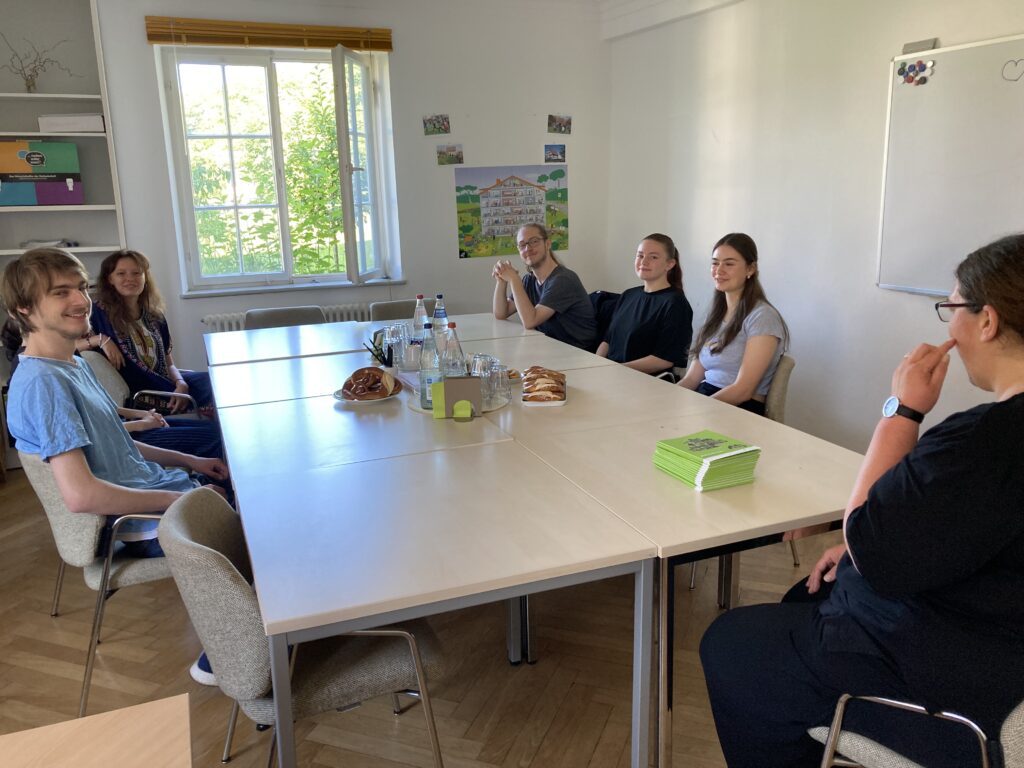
(341, 398)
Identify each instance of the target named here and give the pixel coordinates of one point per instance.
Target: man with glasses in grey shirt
(550, 297)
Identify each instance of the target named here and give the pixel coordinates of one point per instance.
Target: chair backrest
(203, 542)
(108, 376)
(604, 303)
(400, 309)
(775, 403)
(77, 535)
(276, 317)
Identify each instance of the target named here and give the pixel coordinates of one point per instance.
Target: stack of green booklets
(707, 460)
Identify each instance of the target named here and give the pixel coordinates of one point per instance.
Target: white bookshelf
(97, 225)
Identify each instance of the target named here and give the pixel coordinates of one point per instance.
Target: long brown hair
(675, 275)
(752, 294)
(151, 303)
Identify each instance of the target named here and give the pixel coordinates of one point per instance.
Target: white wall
(768, 116)
(497, 68)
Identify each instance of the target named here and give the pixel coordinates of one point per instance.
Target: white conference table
(352, 546)
(277, 423)
(231, 347)
(800, 480)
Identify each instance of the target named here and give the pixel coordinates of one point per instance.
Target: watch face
(889, 406)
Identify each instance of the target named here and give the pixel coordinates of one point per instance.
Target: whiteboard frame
(885, 152)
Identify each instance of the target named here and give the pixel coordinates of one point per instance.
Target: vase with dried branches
(32, 63)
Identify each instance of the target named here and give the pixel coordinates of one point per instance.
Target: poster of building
(493, 203)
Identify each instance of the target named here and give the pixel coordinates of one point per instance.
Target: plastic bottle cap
(440, 296)
(428, 325)
(451, 325)
(419, 295)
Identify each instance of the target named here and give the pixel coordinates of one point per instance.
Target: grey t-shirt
(573, 321)
(721, 370)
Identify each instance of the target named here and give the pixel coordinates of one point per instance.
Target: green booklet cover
(705, 445)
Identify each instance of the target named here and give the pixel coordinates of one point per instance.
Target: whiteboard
(953, 174)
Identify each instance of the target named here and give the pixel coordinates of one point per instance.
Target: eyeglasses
(530, 243)
(944, 309)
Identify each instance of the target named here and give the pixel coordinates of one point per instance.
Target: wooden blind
(178, 31)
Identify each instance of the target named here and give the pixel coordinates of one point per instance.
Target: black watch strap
(910, 413)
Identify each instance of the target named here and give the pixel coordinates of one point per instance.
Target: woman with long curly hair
(129, 310)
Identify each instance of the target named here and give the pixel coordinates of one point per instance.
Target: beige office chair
(77, 537)
(851, 750)
(400, 309)
(117, 388)
(277, 317)
(203, 540)
(774, 409)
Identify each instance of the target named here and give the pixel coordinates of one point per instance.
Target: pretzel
(541, 397)
(370, 384)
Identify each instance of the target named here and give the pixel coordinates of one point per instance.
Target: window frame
(381, 181)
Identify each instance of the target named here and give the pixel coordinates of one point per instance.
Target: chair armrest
(832, 741)
(134, 516)
(167, 395)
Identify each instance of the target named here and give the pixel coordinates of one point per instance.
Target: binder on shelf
(73, 123)
(40, 173)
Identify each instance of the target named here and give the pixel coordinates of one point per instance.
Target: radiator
(235, 321)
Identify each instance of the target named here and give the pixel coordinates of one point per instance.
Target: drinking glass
(481, 364)
(395, 337)
(500, 386)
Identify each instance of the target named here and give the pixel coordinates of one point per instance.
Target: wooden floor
(570, 709)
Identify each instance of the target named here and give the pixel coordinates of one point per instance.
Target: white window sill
(212, 293)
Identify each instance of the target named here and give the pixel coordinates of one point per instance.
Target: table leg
(281, 680)
(666, 602)
(514, 629)
(729, 580)
(643, 605)
(529, 652)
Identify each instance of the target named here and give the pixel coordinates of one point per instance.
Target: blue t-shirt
(55, 406)
(722, 369)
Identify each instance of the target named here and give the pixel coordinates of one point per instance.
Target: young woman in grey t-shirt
(739, 346)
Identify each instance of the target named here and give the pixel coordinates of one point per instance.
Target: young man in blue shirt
(58, 410)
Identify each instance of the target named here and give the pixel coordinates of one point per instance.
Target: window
(267, 192)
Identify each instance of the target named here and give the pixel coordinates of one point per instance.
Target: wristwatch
(893, 407)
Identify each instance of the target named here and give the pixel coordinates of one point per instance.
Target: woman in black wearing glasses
(924, 601)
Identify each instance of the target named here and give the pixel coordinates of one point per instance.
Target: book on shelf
(707, 460)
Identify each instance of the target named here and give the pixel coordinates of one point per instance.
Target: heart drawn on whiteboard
(1013, 70)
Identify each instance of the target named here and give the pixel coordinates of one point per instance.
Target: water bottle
(440, 320)
(419, 317)
(454, 360)
(430, 367)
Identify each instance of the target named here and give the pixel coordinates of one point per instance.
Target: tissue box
(75, 123)
(40, 173)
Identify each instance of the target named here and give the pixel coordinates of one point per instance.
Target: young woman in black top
(652, 324)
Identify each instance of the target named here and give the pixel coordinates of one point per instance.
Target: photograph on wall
(554, 153)
(449, 154)
(491, 205)
(559, 124)
(435, 125)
